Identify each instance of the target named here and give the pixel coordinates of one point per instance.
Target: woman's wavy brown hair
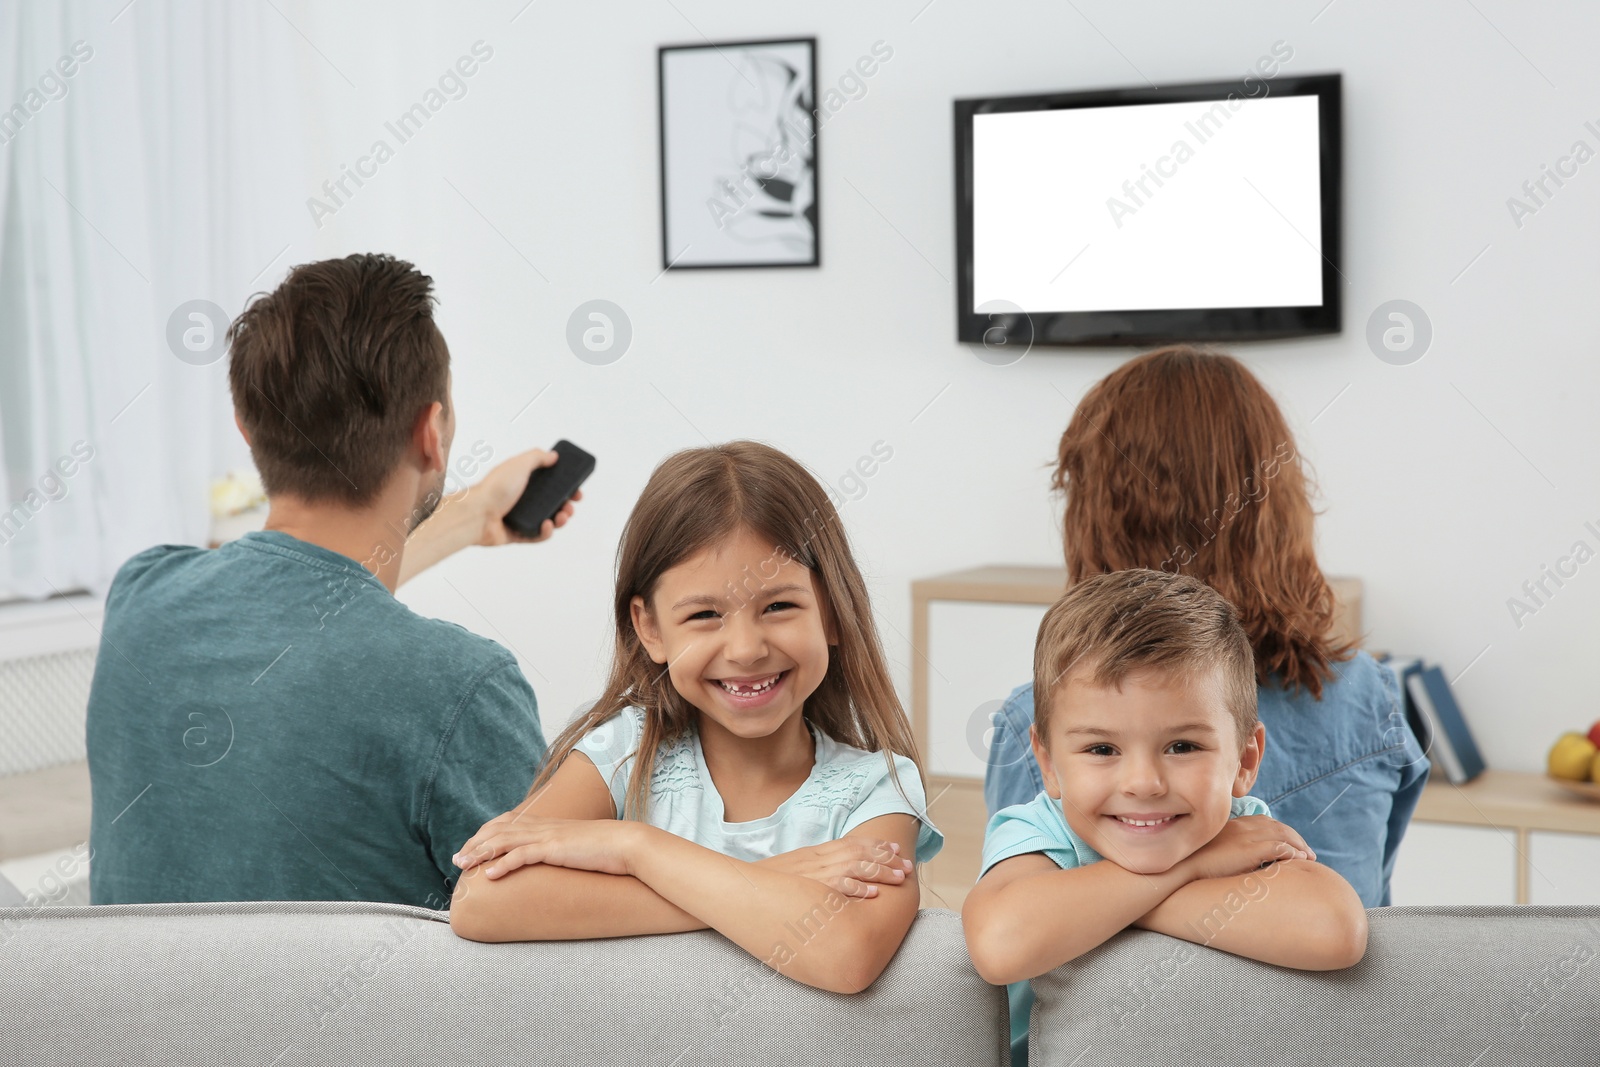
(1180, 460)
(694, 500)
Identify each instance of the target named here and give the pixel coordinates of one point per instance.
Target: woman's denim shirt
(1344, 771)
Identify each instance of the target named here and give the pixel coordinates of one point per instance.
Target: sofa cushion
(336, 983)
(1453, 987)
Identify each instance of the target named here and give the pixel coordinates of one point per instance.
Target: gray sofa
(281, 984)
(324, 983)
(1442, 987)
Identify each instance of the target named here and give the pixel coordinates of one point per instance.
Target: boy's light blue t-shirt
(1041, 826)
(847, 787)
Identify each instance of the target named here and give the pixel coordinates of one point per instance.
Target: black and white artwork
(739, 155)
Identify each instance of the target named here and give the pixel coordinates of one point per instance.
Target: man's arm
(1295, 913)
(1027, 916)
(476, 516)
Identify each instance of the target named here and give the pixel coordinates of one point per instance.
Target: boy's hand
(850, 865)
(1246, 844)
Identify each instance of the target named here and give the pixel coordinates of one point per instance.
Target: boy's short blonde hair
(1118, 624)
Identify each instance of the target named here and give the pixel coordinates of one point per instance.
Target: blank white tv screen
(1203, 204)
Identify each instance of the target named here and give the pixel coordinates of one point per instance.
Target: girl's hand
(508, 842)
(471, 853)
(1247, 844)
(854, 866)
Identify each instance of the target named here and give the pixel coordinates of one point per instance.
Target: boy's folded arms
(1028, 916)
(1294, 913)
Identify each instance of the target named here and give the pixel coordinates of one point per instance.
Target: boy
(1147, 737)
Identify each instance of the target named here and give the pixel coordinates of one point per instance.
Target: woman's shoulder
(1358, 683)
(1361, 668)
(1359, 713)
(1017, 709)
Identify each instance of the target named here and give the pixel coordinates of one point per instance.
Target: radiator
(47, 653)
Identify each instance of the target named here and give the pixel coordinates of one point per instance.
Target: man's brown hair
(1116, 625)
(329, 372)
(1181, 461)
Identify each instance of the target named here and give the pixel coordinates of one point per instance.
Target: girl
(748, 769)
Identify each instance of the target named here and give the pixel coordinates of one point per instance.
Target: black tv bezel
(1157, 326)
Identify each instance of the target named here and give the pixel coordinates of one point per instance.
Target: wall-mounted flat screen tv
(1205, 212)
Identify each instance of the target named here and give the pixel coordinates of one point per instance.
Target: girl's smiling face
(742, 631)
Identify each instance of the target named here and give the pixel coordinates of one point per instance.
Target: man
(267, 722)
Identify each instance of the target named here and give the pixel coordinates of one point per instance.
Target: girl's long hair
(1180, 460)
(694, 500)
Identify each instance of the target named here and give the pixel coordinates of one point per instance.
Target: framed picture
(739, 155)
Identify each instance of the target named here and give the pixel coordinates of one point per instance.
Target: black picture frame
(1157, 326)
(678, 201)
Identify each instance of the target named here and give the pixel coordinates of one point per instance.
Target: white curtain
(163, 169)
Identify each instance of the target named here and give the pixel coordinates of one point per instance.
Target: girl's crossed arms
(829, 915)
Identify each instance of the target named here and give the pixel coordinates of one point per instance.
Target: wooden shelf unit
(1511, 802)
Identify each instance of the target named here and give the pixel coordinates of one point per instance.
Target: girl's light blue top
(847, 787)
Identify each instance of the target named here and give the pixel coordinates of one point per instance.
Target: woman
(1180, 460)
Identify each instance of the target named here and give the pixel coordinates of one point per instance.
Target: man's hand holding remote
(475, 515)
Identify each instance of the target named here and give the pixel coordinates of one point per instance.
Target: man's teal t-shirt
(267, 722)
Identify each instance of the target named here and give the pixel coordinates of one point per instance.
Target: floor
(956, 808)
(43, 811)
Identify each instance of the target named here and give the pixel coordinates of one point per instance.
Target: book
(1403, 667)
(1456, 751)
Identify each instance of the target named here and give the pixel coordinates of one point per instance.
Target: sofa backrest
(314, 983)
(1452, 987)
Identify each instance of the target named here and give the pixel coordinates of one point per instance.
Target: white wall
(1447, 483)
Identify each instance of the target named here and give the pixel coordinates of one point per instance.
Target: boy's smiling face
(1160, 750)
